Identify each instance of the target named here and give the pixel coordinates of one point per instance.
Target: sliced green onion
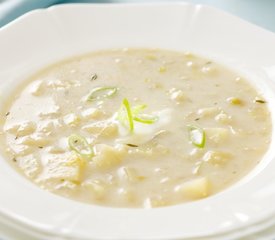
(80, 145)
(101, 93)
(196, 136)
(146, 118)
(129, 114)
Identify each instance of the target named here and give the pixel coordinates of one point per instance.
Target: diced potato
(216, 157)
(107, 157)
(66, 187)
(22, 129)
(161, 149)
(217, 135)
(11, 128)
(30, 166)
(67, 167)
(208, 112)
(51, 112)
(102, 129)
(92, 114)
(126, 194)
(22, 150)
(130, 174)
(26, 128)
(71, 120)
(35, 140)
(76, 161)
(153, 202)
(177, 95)
(223, 118)
(96, 187)
(37, 88)
(55, 149)
(58, 84)
(46, 127)
(194, 189)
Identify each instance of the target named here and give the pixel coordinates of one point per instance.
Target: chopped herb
(40, 147)
(260, 101)
(7, 114)
(14, 159)
(197, 119)
(209, 62)
(101, 93)
(131, 145)
(80, 145)
(196, 136)
(16, 137)
(94, 77)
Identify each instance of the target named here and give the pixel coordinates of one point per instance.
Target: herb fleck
(197, 119)
(14, 159)
(131, 145)
(40, 147)
(94, 77)
(7, 114)
(260, 101)
(16, 137)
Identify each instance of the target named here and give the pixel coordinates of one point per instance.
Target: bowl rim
(42, 228)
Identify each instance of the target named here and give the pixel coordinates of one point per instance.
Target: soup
(136, 128)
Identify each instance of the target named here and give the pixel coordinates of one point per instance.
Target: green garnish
(128, 115)
(143, 118)
(146, 118)
(196, 136)
(258, 100)
(101, 93)
(125, 114)
(80, 145)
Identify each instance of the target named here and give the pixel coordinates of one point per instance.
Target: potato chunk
(208, 112)
(30, 166)
(21, 129)
(92, 114)
(194, 189)
(216, 157)
(107, 157)
(102, 129)
(66, 167)
(217, 135)
(96, 187)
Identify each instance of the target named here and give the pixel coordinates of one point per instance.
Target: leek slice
(196, 136)
(125, 115)
(146, 118)
(80, 145)
(101, 93)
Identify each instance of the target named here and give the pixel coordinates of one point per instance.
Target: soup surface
(136, 128)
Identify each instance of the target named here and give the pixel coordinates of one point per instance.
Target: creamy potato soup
(136, 128)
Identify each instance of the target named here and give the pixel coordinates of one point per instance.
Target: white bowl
(45, 36)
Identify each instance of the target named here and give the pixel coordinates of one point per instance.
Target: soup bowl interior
(45, 36)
